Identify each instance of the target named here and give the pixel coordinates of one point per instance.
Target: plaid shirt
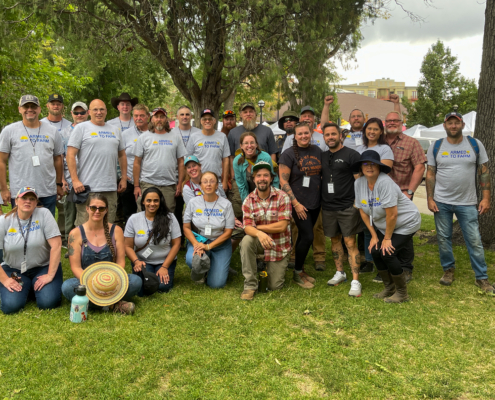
(277, 208)
(407, 154)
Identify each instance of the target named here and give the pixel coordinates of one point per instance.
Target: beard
(290, 131)
(335, 145)
(454, 135)
(393, 131)
(160, 127)
(56, 113)
(262, 186)
(249, 125)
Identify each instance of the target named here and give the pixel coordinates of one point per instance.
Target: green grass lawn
(199, 343)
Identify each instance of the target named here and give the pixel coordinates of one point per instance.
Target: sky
(394, 48)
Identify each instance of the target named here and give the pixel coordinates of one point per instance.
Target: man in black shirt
(340, 217)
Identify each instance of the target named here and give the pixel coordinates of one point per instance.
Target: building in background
(381, 89)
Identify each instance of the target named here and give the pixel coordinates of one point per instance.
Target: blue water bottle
(79, 306)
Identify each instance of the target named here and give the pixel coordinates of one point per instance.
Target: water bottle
(263, 282)
(79, 306)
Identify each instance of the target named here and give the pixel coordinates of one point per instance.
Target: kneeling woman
(392, 220)
(31, 242)
(94, 241)
(156, 235)
(212, 217)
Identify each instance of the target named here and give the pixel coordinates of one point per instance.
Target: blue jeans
(135, 284)
(49, 202)
(154, 269)
(219, 263)
(468, 221)
(50, 296)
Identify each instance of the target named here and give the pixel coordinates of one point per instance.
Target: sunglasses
(16, 278)
(228, 112)
(99, 209)
(368, 164)
(79, 112)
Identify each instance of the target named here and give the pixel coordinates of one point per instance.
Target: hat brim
(26, 192)
(356, 167)
(281, 122)
(87, 280)
(116, 100)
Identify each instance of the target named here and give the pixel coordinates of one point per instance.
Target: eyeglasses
(207, 119)
(212, 182)
(392, 121)
(368, 164)
(99, 209)
(16, 278)
(98, 110)
(79, 112)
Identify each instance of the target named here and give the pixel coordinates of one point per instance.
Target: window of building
(359, 91)
(372, 93)
(415, 94)
(401, 94)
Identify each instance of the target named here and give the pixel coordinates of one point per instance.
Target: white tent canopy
(276, 130)
(414, 131)
(438, 131)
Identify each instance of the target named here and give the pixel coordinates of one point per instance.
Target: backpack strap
(474, 145)
(436, 148)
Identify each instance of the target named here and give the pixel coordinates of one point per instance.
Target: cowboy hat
(123, 97)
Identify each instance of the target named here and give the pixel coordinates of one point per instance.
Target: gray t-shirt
(22, 143)
(384, 150)
(130, 137)
(456, 172)
(264, 135)
(122, 125)
(159, 153)
(60, 125)
(43, 227)
(316, 139)
(221, 216)
(387, 194)
(350, 139)
(210, 150)
(192, 190)
(185, 135)
(98, 155)
(139, 228)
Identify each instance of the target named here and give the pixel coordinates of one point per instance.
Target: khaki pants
(82, 215)
(235, 198)
(167, 191)
(249, 248)
(319, 249)
(70, 217)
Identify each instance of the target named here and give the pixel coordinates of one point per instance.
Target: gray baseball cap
(200, 266)
(79, 104)
(29, 98)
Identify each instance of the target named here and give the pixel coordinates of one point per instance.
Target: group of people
(221, 190)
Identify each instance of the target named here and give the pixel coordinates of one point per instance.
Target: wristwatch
(410, 192)
(60, 184)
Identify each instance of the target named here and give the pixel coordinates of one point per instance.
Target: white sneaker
(337, 279)
(355, 289)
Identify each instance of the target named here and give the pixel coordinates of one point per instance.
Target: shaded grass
(198, 343)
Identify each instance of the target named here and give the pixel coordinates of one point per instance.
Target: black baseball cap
(55, 97)
(207, 111)
(453, 114)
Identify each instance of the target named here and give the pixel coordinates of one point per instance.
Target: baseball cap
(28, 98)
(246, 105)
(55, 97)
(191, 158)
(157, 110)
(228, 113)
(261, 165)
(207, 111)
(453, 114)
(24, 190)
(308, 108)
(79, 104)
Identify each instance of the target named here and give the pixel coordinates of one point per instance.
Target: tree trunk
(229, 103)
(485, 121)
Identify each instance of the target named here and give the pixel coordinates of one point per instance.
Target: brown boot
(301, 280)
(448, 277)
(124, 307)
(389, 285)
(307, 277)
(400, 294)
(248, 294)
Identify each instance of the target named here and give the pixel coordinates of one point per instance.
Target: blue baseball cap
(26, 189)
(191, 158)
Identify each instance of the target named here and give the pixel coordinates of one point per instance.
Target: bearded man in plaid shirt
(266, 218)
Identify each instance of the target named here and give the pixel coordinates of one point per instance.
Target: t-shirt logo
(215, 212)
(24, 139)
(200, 144)
(456, 154)
(141, 233)
(163, 142)
(94, 134)
(11, 232)
(103, 135)
(199, 212)
(210, 144)
(445, 154)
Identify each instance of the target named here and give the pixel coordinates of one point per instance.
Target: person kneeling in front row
(267, 212)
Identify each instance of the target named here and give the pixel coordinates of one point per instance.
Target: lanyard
(198, 189)
(211, 210)
(54, 124)
(33, 144)
(148, 226)
(370, 204)
(137, 130)
(188, 137)
(122, 128)
(28, 226)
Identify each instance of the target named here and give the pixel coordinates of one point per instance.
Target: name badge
(208, 230)
(306, 181)
(330, 188)
(23, 267)
(147, 253)
(359, 141)
(36, 161)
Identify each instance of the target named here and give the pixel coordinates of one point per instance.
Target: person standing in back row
(124, 104)
(454, 165)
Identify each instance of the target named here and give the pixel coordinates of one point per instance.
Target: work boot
(389, 284)
(308, 278)
(484, 285)
(400, 294)
(124, 307)
(301, 280)
(248, 294)
(448, 277)
(320, 266)
(365, 267)
(408, 275)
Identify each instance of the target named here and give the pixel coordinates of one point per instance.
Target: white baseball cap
(79, 104)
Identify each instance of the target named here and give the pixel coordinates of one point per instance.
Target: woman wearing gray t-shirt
(30, 239)
(392, 220)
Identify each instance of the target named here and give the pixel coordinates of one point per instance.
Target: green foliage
(440, 88)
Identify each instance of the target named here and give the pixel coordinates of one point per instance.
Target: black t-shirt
(310, 156)
(337, 170)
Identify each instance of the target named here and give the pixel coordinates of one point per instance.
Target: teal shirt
(240, 173)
